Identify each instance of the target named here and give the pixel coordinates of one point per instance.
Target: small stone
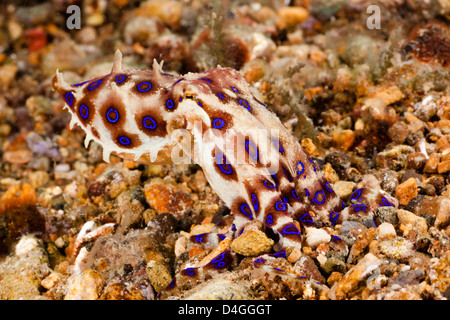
(416, 161)
(220, 289)
(167, 198)
(314, 237)
(386, 231)
(386, 214)
(344, 189)
(355, 277)
(406, 191)
(306, 267)
(438, 208)
(51, 280)
(21, 156)
(439, 272)
(398, 132)
(292, 16)
(252, 243)
(409, 221)
(343, 139)
(398, 248)
(85, 286)
(432, 163)
(361, 244)
(158, 275)
(443, 166)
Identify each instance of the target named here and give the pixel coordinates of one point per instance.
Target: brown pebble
(18, 156)
(167, 198)
(416, 161)
(443, 166)
(432, 163)
(252, 243)
(343, 139)
(406, 191)
(292, 16)
(398, 132)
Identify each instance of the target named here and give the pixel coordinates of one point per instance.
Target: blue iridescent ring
(220, 95)
(253, 155)
(207, 80)
(218, 123)
(221, 161)
(69, 98)
(120, 78)
(84, 111)
(291, 229)
(149, 123)
(269, 184)
(94, 84)
(303, 167)
(235, 89)
(249, 213)
(269, 219)
(278, 145)
(145, 89)
(280, 206)
(386, 202)
(124, 141)
(255, 202)
(245, 104)
(169, 104)
(315, 197)
(116, 117)
(295, 195)
(356, 194)
(328, 186)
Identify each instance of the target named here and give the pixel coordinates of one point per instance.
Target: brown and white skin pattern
(149, 116)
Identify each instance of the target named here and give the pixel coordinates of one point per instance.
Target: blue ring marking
(254, 147)
(233, 227)
(120, 78)
(69, 95)
(333, 217)
(386, 202)
(278, 145)
(151, 126)
(307, 192)
(80, 84)
(285, 200)
(245, 104)
(255, 202)
(280, 254)
(259, 260)
(188, 271)
(169, 103)
(294, 230)
(124, 141)
(235, 89)
(86, 111)
(220, 95)
(359, 207)
(306, 218)
(248, 214)
(178, 81)
(315, 197)
(199, 237)
(143, 83)
(221, 236)
(295, 195)
(221, 160)
(261, 103)
(303, 168)
(116, 118)
(335, 238)
(218, 123)
(94, 84)
(207, 80)
(328, 186)
(353, 197)
(278, 269)
(269, 219)
(271, 186)
(218, 258)
(280, 206)
(200, 104)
